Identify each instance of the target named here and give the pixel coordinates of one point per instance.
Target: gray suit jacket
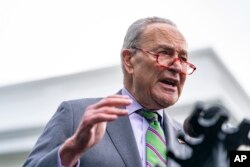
(117, 149)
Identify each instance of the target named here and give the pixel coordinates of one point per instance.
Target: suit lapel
(171, 129)
(122, 136)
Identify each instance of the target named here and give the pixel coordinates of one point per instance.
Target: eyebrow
(164, 46)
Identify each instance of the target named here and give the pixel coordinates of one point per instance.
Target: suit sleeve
(59, 128)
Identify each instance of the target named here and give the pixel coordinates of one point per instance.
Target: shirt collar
(134, 106)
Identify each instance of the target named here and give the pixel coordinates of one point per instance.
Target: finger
(100, 118)
(111, 111)
(118, 96)
(104, 114)
(112, 101)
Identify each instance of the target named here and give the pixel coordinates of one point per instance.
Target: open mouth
(170, 82)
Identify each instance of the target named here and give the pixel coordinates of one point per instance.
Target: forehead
(162, 34)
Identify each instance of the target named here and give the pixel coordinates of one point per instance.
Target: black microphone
(191, 122)
(192, 126)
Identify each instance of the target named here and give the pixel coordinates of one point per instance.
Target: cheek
(146, 71)
(145, 78)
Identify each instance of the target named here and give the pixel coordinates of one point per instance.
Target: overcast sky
(40, 39)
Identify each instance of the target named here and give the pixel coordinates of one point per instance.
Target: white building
(25, 108)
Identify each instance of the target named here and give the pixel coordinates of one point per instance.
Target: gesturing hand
(92, 127)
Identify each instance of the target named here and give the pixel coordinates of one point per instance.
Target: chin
(168, 103)
(165, 102)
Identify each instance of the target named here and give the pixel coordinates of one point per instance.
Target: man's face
(154, 86)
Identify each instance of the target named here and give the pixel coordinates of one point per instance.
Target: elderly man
(130, 128)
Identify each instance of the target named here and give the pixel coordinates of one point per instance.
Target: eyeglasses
(165, 59)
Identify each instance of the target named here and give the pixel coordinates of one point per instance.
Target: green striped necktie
(156, 150)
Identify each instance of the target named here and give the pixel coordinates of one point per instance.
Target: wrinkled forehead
(163, 34)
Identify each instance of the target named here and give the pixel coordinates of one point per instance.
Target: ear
(127, 60)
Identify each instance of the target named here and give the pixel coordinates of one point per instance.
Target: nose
(175, 65)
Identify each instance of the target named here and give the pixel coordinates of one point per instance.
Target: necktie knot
(149, 115)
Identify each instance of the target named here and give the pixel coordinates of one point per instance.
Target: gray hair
(135, 30)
